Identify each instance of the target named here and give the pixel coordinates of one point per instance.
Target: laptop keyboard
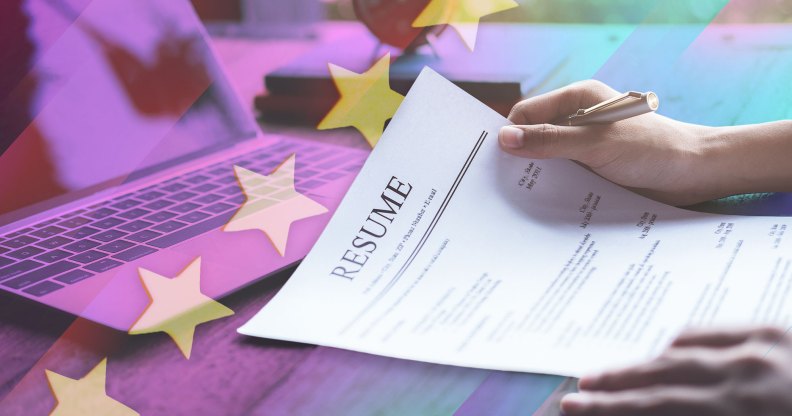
(71, 248)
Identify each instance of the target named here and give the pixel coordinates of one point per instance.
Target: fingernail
(512, 137)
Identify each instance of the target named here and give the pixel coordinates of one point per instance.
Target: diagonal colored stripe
(663, 36)
(87, 341)
(514, 393)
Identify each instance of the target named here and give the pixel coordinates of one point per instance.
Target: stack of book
(501, 70)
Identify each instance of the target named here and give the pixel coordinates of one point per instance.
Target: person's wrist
(720, 166)
(710, 166)
(748, 159)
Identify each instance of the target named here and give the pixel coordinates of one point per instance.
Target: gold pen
(629, 104)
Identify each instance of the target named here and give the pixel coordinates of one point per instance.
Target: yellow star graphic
(367, 101)
(462, 15)
(86, 396)
(177, 306)
(272, 203)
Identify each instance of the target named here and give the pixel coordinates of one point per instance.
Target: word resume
(448, 250)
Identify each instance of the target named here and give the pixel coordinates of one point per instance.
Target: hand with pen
(712, 372)
(661, 158)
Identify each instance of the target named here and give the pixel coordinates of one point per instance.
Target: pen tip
(653, 100)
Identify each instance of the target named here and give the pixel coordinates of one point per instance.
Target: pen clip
(613, 101)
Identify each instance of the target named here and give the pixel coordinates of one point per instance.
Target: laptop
(123, 158)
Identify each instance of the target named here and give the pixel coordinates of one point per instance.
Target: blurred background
(225, 15)
(745, 48)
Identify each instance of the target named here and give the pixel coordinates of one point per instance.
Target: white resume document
(448, 250)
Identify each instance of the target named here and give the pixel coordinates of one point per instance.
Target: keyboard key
(40, 274)
(219, 171)
(74, 276)
(43, 288)
(101, 213)
(25, 252)
(191, 231)
(197, 179)
(227, 179)
(53, 256)
(5, 261)
(237, 200)
(334, 163)
(208, 199)
(18, 268)
(73, 213)
(116, 246)
(144, 236)
(108, 236)
(150, 196)
(169, 226)
(269, 166)
(19, 242)
(182, 196)
(148, 188)
(74, 222)
(160, 216)
(218, 208)
(103, 265)
(205, 187)
(311, 184)
(231, 190)
(88, 256)
(54, 242)
(185, 207)
(175, 187)
(158, 204)
(18, 233)
(126, 204)
(46, 223)
(80, 246)
(244, 163)
(108, 222)
(194, 217)
(136, 225)
(134, 253)
(82, 232)
(47, 232)
(134, 213)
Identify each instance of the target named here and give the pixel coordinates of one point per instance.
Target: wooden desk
(728, 75)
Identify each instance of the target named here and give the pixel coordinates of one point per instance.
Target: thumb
(545, 141)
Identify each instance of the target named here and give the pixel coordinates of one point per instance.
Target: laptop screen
(94, 93)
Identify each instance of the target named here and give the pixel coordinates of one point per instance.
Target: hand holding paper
(500, 262)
